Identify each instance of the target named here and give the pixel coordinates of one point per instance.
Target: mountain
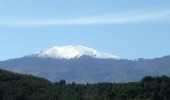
(70, 52)
(81, 64)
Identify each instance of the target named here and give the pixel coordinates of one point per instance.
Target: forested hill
(15, 86)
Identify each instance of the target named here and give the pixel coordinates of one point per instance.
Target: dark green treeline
(15, 86)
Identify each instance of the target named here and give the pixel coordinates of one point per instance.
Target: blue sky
(126, 28)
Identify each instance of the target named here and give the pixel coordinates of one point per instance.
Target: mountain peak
(69, 52)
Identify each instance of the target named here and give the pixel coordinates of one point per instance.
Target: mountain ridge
(88, 69)
(69, 52)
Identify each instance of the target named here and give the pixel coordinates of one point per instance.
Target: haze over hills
(82, 64)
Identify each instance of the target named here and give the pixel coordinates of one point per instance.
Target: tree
(62, 82)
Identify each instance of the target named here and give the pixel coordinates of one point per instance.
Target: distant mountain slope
(87, 68)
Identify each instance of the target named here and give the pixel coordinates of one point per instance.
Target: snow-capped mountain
(70, 52)
(82, 64)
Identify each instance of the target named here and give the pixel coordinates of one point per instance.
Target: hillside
(89, 69)
(15, 86)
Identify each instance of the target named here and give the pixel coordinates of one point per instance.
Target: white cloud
(123, 18)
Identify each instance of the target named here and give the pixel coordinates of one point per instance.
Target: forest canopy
(14, 86)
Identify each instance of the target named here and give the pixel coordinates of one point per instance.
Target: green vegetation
(15, 86)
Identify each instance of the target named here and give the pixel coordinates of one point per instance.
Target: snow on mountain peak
(68, 52)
